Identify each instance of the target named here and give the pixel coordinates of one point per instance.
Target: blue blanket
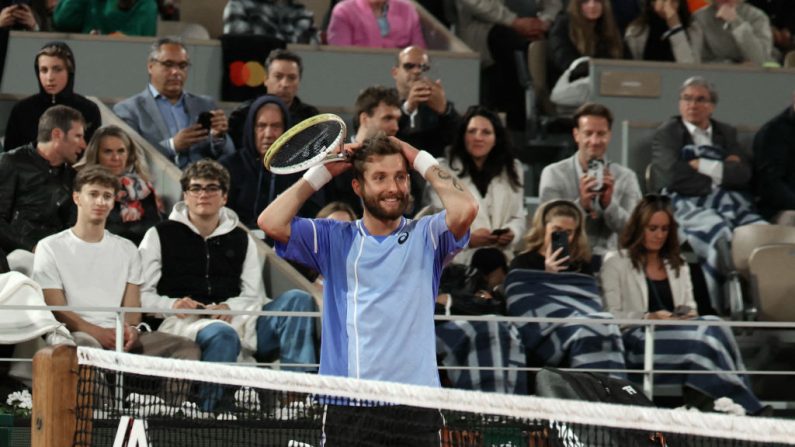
(536, 293)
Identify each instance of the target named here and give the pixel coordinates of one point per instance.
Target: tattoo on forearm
(446, 176)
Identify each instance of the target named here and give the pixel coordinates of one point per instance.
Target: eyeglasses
(211, 189)
(695, 99)
(408, 66)
(170, 65)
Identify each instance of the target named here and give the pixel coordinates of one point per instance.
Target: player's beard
(373, 206)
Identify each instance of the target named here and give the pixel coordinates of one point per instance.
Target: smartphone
(560, 239)
(499, 231)
(205, 120)
(596, 169)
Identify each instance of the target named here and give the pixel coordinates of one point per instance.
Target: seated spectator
(375, 24)
(86, 265)
(55, 68)
(284, 72)
(625, 12)
(498, 29)
(604, 190)
(774, 163)
(427, 120)
(137, 206)
(167, 116)
(556, 216)
(482, 158)
(474, 288)
(200, 258)
(128, 17)
(649, 279)
(782, 22)
(289, 21)
(17, 16)
(36, 181)
(337, 211)
(586, 30)
(735, 32)
(665, 32)
(698, 161)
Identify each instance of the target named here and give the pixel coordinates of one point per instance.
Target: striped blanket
(484, 344)
(701, 348)
(537, 293)
(704, 221)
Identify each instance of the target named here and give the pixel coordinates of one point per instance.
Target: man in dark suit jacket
(774, 160)
(167, 116)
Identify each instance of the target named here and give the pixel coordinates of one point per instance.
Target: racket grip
(317, 176)
(423, 162)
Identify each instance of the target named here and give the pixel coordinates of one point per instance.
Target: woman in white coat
(482, 158)
(648, 279)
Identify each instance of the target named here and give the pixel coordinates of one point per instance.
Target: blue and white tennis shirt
(379, 294)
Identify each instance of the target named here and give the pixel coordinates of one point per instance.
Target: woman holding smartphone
(557, 242)
(483, 160)
(648, 279)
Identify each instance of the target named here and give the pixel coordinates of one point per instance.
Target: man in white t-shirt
(87, 266)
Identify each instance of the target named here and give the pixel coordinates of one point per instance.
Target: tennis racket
(311, 142)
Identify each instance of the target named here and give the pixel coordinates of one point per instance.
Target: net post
(54, 396)
(648, 361)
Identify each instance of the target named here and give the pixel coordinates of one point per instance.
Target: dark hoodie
(23, 123)
(252, 187)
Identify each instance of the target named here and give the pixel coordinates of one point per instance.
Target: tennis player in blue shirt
(381, 279)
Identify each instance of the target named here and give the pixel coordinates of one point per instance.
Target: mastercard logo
(251, 73)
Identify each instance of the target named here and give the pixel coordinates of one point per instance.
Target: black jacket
(432, 132)
(298, 110)
(774, 162)
(23, 122)
(35, 198)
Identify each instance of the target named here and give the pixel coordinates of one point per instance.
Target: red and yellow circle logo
(249, 73)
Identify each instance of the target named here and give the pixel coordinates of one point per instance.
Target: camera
(596, 169)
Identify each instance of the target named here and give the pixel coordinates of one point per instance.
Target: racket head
(306, 144)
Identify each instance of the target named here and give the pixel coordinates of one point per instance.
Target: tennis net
(125, 399)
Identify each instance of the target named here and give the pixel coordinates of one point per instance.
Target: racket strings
(307, 144)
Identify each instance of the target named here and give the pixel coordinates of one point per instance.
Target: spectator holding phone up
(557, 242)
(483, 160)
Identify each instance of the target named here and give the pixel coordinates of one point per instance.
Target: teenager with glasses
(648, 279)
(168, 117)
(200, 258)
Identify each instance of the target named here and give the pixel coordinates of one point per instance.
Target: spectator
(586, 30)
(36, 181)
(337, 211)
(289, 21)
(498, 29)
(552, 216)
(606, 204)
(375, 24)
(284, 72)
(17, 16)
(698, 161)
(87, 266)
(252, 186)
(774, 162)
(476, 288)
(128, 17)
(55, 69)
(626, 11)
(735, 32)
(782, 22)
(482, 158)
(665, 32)
(428, 120)
(137, 206)
(167, 116)
(648, 279)
(201, 259)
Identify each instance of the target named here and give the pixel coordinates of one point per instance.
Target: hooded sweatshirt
(23, 123)
(252, 186)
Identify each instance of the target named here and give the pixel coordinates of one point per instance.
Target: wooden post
(54, 396)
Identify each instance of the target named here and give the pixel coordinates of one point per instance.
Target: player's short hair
(379, 145)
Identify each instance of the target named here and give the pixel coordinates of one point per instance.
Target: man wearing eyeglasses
(427, 120)
(201, 259)
(168, 117)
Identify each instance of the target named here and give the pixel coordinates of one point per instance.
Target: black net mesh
(307, 144)
(183, 412)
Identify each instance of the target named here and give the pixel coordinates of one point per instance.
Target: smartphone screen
(499, 231)
(560, 239)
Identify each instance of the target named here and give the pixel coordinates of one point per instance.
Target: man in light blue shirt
(381, 276)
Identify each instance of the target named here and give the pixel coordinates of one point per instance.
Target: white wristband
(423, 162)
(317, 176)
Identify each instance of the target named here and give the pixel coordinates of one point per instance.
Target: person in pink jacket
(375, 24)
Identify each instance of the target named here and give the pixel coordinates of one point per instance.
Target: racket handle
(317, 176)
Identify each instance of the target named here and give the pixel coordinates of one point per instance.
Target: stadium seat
(771, 267)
